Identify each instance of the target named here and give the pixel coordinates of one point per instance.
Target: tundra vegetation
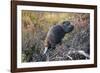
(35, 26)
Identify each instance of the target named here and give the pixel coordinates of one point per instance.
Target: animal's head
(67, 26)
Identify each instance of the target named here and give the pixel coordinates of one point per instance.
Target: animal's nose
(72, 27)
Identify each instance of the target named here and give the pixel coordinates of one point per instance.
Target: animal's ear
(63, 22)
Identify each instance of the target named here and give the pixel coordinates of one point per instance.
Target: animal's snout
(71, 27)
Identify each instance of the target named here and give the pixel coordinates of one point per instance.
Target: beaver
(56, 33)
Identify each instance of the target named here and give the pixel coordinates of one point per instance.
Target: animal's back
(54, 35)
